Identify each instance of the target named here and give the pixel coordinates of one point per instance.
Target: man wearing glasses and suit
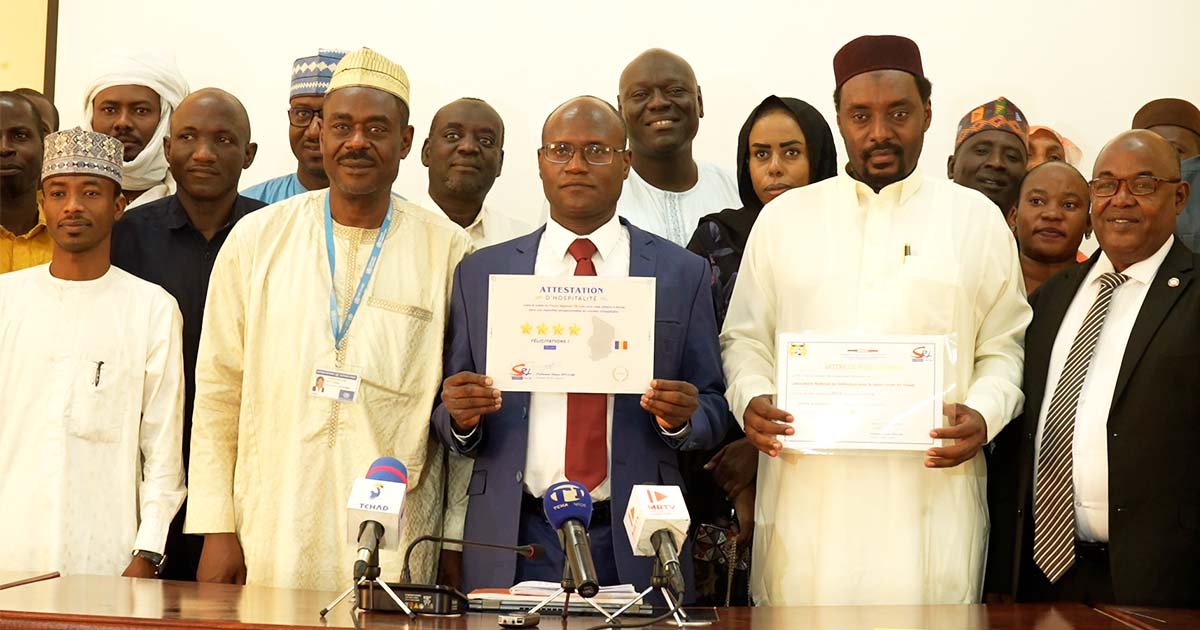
(523, 443)
(1092, 494)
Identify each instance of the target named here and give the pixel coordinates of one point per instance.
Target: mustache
(880, 147)
(362, 156)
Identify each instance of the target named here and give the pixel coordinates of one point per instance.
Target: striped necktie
(1054, 498)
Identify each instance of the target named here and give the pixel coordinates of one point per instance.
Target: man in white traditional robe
(131, 97)
(668, 191)
(879, 250)
(91, 368)
(273, 460)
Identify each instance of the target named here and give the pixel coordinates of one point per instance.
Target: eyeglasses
(1140, 186)
(302, 116)
(594, 154)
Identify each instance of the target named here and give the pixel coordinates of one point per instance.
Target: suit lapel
(642, 254)
(1160, 298)
(643, 262)
(522, 262)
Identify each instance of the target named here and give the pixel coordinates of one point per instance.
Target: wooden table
(114, 602)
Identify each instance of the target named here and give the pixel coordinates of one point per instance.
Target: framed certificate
(583, 334)
(868, 393)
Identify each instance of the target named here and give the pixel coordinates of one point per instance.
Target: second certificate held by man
(878, 393)
(582, 334)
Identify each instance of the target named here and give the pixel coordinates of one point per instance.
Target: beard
(876, 180)
(466, 187)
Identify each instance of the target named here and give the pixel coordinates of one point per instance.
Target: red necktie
(587, 414)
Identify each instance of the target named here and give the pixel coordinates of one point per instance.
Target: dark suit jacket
(1153, 436)
(685, 349)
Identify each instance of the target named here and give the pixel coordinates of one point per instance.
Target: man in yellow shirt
(24, 241)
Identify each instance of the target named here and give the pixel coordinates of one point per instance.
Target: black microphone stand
(566, 587)
(659, 580)
(366, 573)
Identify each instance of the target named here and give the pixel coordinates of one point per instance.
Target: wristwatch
(156, 559)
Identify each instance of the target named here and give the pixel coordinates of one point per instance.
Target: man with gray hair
(1091, 495)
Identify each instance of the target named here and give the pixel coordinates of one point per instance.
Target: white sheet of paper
(870, 393)
(583, 334)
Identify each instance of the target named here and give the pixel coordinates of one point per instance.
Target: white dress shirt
(1089, 445)
(91, 420)
(489, 227)
(545, 459)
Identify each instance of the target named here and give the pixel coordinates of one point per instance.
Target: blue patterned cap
(310, 75)
(81, 152)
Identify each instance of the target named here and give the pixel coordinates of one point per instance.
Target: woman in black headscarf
(784, 144)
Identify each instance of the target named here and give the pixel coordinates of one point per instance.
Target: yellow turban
(367, 68)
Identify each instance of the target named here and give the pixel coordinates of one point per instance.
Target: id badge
(335, 384)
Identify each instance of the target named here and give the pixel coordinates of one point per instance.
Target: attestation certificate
(582, 334)
(877, 393)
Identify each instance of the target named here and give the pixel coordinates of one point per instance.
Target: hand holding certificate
(468, 396)
(967, 429)
(882, 393)
(579, 334)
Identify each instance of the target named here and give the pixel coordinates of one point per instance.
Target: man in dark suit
(1093, 497)
(524, 442)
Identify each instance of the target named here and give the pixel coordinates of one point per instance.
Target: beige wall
(23, 49)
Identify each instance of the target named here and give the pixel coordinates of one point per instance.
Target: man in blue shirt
(310, 79)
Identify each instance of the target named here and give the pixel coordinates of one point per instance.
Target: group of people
(157, 325)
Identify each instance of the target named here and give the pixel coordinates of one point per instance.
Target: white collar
(1142, 271)
(897, 192)
(558, 238)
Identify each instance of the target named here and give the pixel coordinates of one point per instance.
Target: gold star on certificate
(526, 329)
(542, 329)
(574, 329)
(558, 329)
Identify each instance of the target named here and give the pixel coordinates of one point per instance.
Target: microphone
(374, 513)
(569, 509)
(657, 522)
(529, 552)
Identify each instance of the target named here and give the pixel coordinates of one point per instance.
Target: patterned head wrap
(81, 152)
(999, 114)
(311, 75)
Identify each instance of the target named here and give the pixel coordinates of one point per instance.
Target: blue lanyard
(339, 333)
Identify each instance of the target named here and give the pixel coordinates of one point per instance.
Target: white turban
(158, 72)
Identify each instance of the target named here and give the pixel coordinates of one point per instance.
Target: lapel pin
(1173, 282)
